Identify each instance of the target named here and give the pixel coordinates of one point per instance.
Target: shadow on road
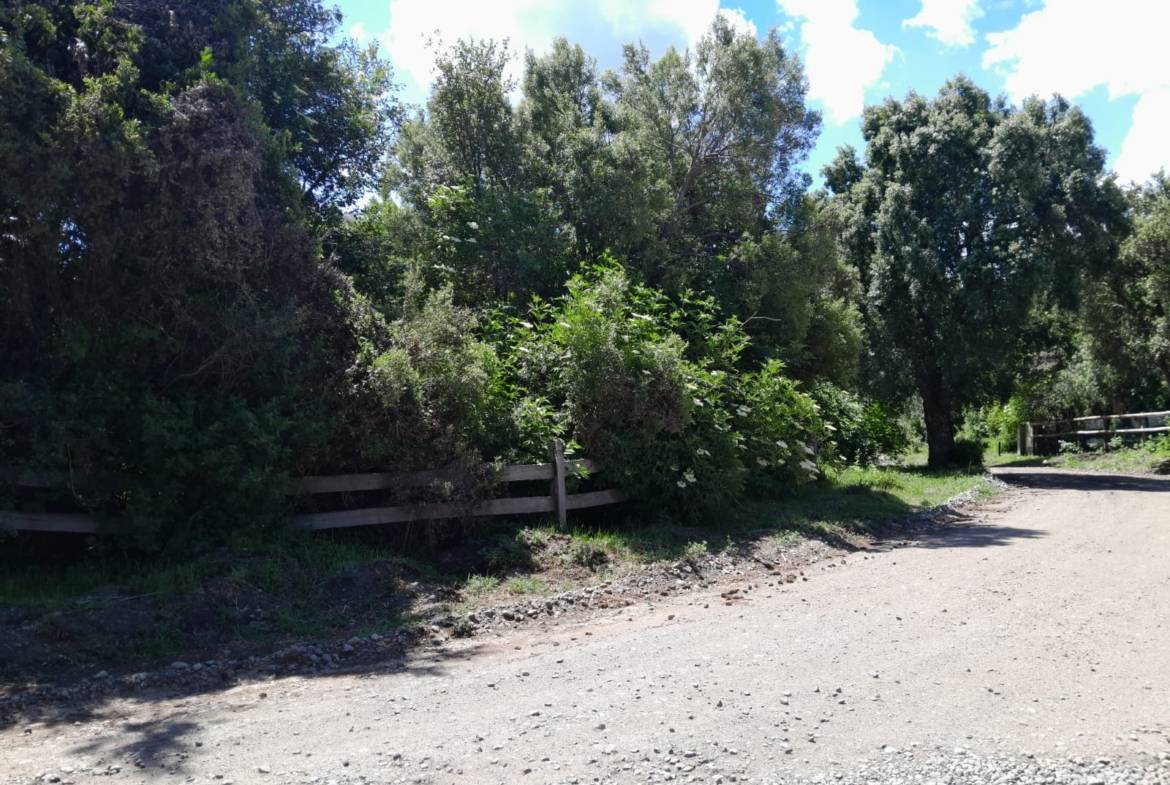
(151, 743)
(1083, 481)
(974, 535)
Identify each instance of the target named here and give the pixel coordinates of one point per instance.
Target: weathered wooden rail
(557, 501)
(1044, 438)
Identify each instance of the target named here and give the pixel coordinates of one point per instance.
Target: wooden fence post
(560, 499)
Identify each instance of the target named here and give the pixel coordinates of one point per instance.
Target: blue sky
(1110, 58)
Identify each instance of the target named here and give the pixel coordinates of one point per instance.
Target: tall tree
(167, 325)
(964, 215)
(1126, 314)
(330, 102)
(686, 168)
(723, 130)
(461, 166)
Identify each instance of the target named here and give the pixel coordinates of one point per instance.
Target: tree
(330, 103)
(686, 168)
(1126, 313)
(492, 230)
(722, 132)
(965, 214)
(170, 333)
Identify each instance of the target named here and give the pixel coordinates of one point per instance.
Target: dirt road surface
(1031, 644)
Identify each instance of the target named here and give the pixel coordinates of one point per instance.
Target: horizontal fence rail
(349, 483)
(1043, 438)
(555, 472)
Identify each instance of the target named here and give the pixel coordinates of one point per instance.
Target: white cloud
(357, 32)
(950, 22)
(1073, 46)
(533, 24)
(739, 21)
(842, 60)
(1144, 150)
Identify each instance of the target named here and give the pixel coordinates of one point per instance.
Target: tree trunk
(940, 421)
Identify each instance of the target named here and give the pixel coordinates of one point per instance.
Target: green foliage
(171, 336)
(685, 168)
(418, 394)
(778, 426)
(1002, 421)
(588, 554)
(967, 214)
(506, 554)
(968, 453)
(490, 228)
(1126, 311)
(673, 420)
(860, 432)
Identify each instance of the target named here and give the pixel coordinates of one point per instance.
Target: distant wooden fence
(557, 501)
(1044, 438)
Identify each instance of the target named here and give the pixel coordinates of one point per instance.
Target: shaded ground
(1038, 628)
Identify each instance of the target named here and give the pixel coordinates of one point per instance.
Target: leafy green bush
(779, 426)
(672, 419)
(968, 453)
(858, 432)
(1002, 421)
(421, 391)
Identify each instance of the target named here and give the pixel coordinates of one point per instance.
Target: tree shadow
(973, 534)
(164, 742)
(152, 744)
(1064, 479)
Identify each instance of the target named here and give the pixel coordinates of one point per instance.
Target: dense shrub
(968, 453)
(418, 392)
(779, 427)
(673, 420)
(860, 432)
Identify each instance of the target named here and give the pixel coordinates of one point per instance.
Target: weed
(477, 585)
(588, 554)
(534, 538)
(695, 550)
(525, 584)
(507, 554)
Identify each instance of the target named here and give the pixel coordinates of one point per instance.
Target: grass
(296, 563)
(1143, 458)
(847, 503)
(479, 585)
(859, 501)
(525, 584)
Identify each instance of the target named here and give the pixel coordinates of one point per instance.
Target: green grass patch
(1150, 456)
(858, 501)
(849, 502)
(525, 584)
(479, 585)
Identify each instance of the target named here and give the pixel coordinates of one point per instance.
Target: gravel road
(1028, 645)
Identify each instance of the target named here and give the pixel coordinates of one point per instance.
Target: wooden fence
(1044, 438)
(557, 501)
